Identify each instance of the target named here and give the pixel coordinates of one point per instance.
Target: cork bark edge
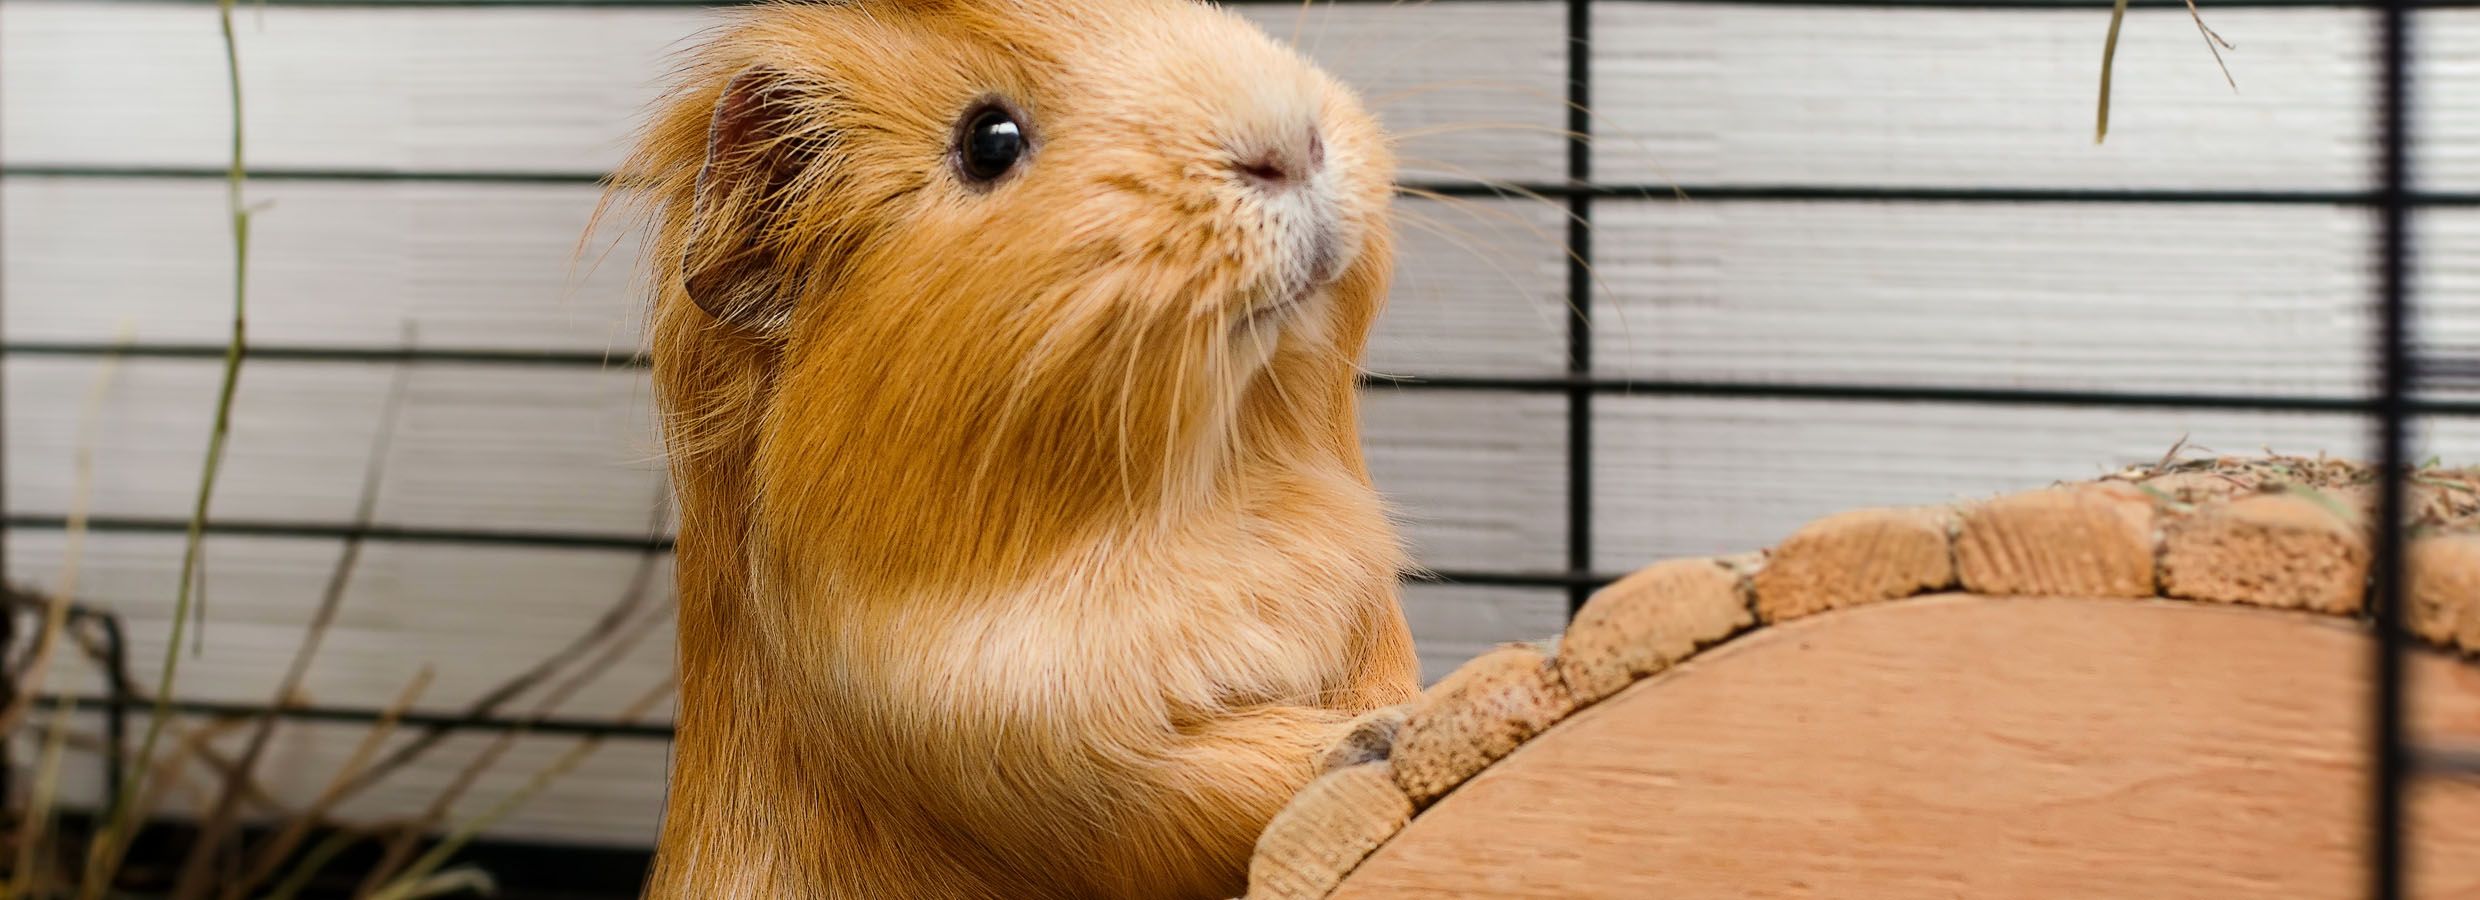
(2139, 535)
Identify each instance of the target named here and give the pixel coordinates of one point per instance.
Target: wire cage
(2392, 406)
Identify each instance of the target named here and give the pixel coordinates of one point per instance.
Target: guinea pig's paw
(1370, 737)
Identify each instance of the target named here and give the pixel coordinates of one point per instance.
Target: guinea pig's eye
(989, 144)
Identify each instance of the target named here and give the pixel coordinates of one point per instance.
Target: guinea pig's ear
(731, 261)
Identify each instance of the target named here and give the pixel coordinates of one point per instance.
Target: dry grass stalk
(280, 847)
(407, 885)
(33, 864)
(112, 841)
(81, 500)
(32, 867)
(402, 845)
(220, 821)
(640, 589)
(2213, 42)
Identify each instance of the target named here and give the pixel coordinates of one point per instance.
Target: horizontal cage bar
(1887, 4)
(1475, 189)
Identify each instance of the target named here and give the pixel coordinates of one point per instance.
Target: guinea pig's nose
(1284, 163)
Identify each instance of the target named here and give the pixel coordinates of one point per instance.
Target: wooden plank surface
(2191, 299)
(481, 615)
(557, 90)
(1452, 623)
(499, 267)
(1686, 92)
(333, 263)
(1976, 97)
(1961, 747)
(1477, 477)
(502, 447)
(614, 797)
(1716, 476)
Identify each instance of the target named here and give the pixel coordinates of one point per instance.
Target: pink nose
(1283, 164)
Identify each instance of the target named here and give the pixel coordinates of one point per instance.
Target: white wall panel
(497, 447)
(2447, 123)
(1478, 479)
(613, 797)
(2183, 299)
(1452, 623)
(1700, 476)
(557, 90)
(479, 614)
(538, 448)
(352, 264)
(1479, 290)
(1761, 93)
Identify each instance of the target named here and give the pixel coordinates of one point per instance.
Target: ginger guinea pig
(1006, 351)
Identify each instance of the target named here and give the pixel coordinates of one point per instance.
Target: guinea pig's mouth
(1321, 262)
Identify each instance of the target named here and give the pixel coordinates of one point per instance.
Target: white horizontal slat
(531, 448)
(1470, 89)
(2446, 273)
(2446, 47)
(545, 90)
(354, 264)
(502, 447)
(1964, 97)
(1453, 623)
(1694, 477)
(1476, 478)
(1480, 289)
(497, 267)
(613, 797)
(557, 90)
(479, 614)
(2182, 299)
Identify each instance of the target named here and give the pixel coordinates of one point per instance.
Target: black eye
(990, 144)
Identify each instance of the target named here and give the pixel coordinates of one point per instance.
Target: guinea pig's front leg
(1368, 738)
(1385, 689)
(1225, 777)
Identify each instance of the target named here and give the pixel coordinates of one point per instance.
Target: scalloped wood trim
(1650, 621)
(1335, 822)
(2282, 533)
(1862, 556)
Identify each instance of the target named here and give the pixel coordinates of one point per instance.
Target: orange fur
(1020, 556)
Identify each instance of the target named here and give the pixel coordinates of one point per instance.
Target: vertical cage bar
(116, 712)
(1579, 297)
(2390, 762)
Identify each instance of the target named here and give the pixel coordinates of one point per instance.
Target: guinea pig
(1006, 354)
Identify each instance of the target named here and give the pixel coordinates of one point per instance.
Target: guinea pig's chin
(1266, 321)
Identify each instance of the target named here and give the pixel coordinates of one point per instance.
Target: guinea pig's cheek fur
(1328, 250)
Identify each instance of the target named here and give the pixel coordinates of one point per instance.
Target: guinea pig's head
(1021, 267)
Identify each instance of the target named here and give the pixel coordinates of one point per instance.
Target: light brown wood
(1958, 746)
(1861, 556)
(2086, 540)
(1648, 622)
(2279, 550)
(1477, 715)
(1326, 831)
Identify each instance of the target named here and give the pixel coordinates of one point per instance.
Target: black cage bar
(2391, 405)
